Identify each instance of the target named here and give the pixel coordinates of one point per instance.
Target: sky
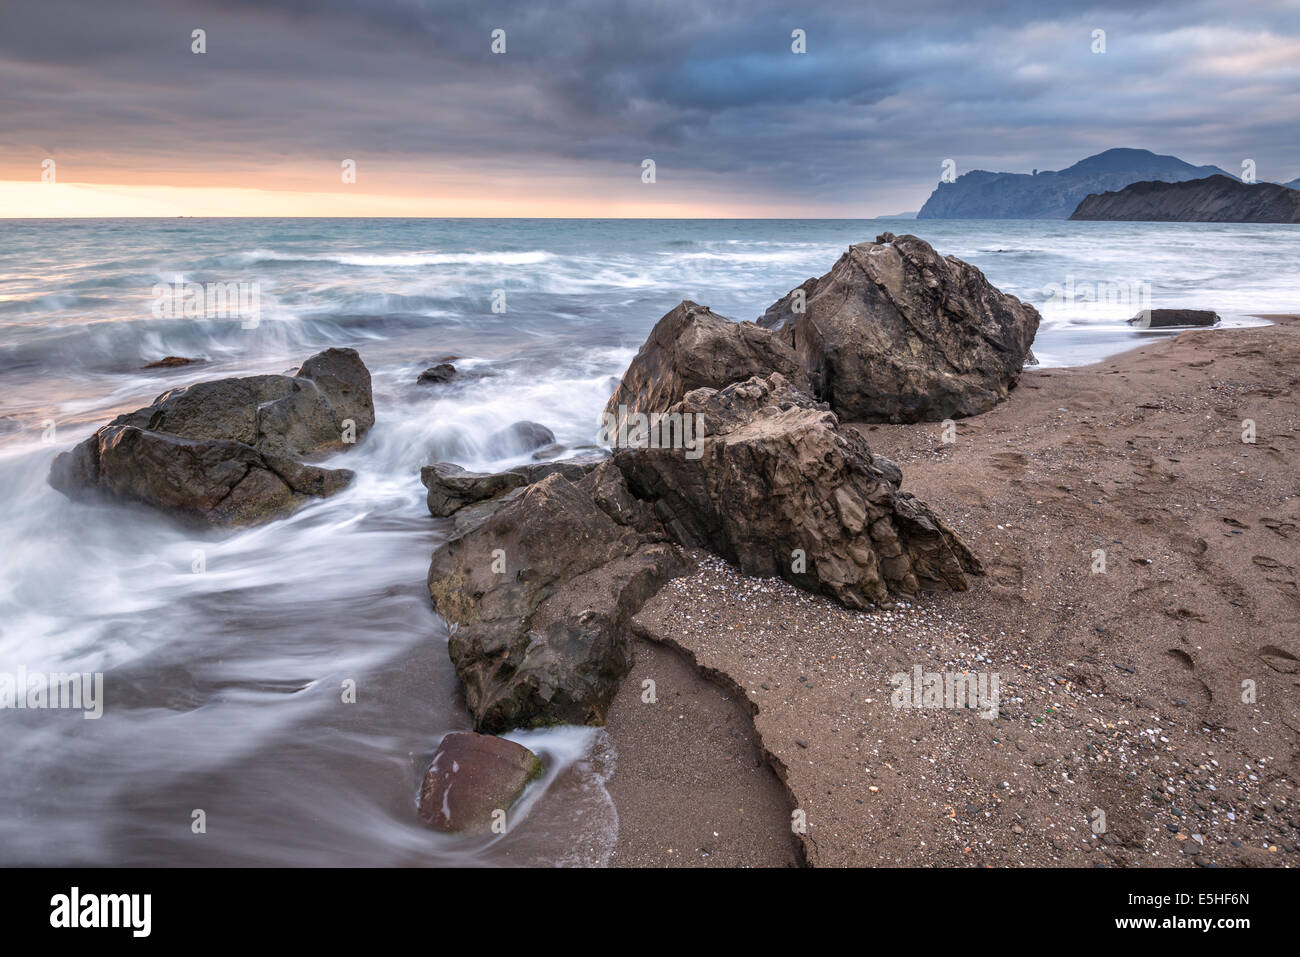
(110, 102)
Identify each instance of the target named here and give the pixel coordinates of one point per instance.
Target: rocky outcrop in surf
(538, 596)
(226, 452)
(896, 332)
(538, 592)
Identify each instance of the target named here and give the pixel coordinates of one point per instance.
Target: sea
(228, 735)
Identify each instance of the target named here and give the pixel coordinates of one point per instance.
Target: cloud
(711, 90)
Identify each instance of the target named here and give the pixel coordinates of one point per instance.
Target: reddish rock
(471, 777)
(171, 361)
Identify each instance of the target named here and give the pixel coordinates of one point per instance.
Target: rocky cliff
(1215, 199)
(1052, 194)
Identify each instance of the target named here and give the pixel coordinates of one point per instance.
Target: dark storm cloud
(884, 94)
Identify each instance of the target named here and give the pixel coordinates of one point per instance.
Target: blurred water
(223, 687)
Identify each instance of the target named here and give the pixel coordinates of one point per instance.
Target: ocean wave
(530, 258)
(56, 302)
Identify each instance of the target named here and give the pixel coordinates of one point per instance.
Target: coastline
(1120, 692)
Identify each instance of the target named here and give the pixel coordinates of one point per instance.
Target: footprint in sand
(1278, 526)
(1279, 659)
(1283, 576)
(1009, 462)
(1185, 684)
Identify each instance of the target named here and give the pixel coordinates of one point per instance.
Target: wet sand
(692, 786)
(1126, 733)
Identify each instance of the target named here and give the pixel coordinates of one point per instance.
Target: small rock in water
(1164, 318)
(171, 361)
(473, 776)
(518, 438)
(442, 372)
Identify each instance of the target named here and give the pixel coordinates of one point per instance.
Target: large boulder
(692, 347)
(779, 489)
(539, 593)
(897, 333)
(223, 452)
(471, 778)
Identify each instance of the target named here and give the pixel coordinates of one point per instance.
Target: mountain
(1215, 199)
(1294, 184)
(1051, 194)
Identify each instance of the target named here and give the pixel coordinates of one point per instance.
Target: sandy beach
(1148, 713)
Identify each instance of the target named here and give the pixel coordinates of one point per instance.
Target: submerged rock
(1164, 318)
(473, 777)
(169, 362)
(692, 347)
(223, 452)
(442, 372)
(518, 438)
(897, 333)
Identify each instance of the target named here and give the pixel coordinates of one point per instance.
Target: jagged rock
(452, 488)
(572, 469)
(777, 477)
(692, 347)
(538, 584)
(897, 333)
(1164, 318)
(473, 776)
(222, 452)
(540, 593)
